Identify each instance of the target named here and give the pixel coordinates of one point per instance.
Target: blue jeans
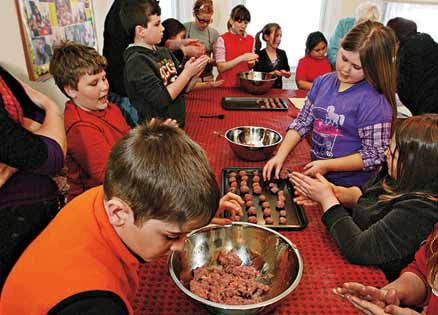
(128, 111)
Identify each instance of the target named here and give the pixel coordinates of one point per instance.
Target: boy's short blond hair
(71, 60)
(162, 174)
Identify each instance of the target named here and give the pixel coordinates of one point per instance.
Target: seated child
(234, 52)
(272, 59)
(93, 125)
(152, 81)
(315, 63)
(385, 223)
(86, 261)
(348, 112)
(416, 287)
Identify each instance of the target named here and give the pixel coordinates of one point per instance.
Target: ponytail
(258, 42)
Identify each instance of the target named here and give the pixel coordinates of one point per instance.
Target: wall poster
(45, 23)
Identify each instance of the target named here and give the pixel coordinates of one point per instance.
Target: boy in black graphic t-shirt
(153, 83)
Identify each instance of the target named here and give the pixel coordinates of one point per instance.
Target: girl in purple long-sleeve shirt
(349, 111)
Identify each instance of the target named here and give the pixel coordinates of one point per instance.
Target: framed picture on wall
(45, 23)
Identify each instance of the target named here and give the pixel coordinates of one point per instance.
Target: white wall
(12, 54)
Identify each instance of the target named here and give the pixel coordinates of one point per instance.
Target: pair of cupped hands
(373, 301)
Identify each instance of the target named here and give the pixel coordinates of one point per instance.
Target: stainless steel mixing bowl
(267, 250)
(253, 143)
(256, 82)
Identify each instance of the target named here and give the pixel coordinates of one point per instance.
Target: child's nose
(178, 245)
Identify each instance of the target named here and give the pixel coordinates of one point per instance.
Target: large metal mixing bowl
(256, 82)
(253, 143)
(265, 249)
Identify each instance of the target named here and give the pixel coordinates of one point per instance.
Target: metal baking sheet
(254, 103)
(295, 214)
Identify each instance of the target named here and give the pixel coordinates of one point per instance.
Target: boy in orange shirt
(86, 260)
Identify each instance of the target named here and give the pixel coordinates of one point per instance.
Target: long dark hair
(314, 39)
(266, 30)
(417, 171)
(376, 45)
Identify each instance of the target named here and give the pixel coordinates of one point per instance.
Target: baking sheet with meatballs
(254, 103)
(268, 203)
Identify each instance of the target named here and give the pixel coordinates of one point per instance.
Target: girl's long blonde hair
(376, 45)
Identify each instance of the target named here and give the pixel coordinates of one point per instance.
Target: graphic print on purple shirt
(325, 132)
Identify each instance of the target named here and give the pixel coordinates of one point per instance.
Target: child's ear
(139, 30)
(119, 212)
(71, 92)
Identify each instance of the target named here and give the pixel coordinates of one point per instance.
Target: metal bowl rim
(243, 306)
(252, 146)
(274, 77)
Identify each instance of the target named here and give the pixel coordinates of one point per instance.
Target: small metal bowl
(267, 250)
(253, 143)
(256, 82)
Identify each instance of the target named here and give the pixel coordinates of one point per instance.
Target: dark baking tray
(250, 103)
(296, 217)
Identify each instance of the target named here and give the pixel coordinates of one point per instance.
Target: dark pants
(19, 226)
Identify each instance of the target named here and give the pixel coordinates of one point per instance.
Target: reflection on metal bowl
(253, 143)
(256, 82)
(268, 251)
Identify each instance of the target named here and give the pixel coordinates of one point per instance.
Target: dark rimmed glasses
(203, 21)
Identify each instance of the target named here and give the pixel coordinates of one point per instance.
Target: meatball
(267, 212)
(247, 197)
(244, 177)
(252, 211)
(232, 189)
(282, 213)
(256, 173)
(243, 183)
(232, 179)
(266, 204)
(262, 198)
(257, 190)
(284, 174)
(256, 179)
(249, 203)
(232, 174)
(242, 173)
(269, 220)
(233, 184)
(282, 220)
(252, 219)
(244, 189)
(280, 204)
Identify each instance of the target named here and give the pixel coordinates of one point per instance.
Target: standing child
(234, 51)
(93, 125)
(272, 59)
(203, 11)
(385, 223)
(349, 111)
(315, 63)
(152, 81)
(87, 260)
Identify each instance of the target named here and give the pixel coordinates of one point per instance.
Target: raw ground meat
(229, 283)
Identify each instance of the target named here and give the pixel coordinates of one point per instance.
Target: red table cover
(324, 267)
